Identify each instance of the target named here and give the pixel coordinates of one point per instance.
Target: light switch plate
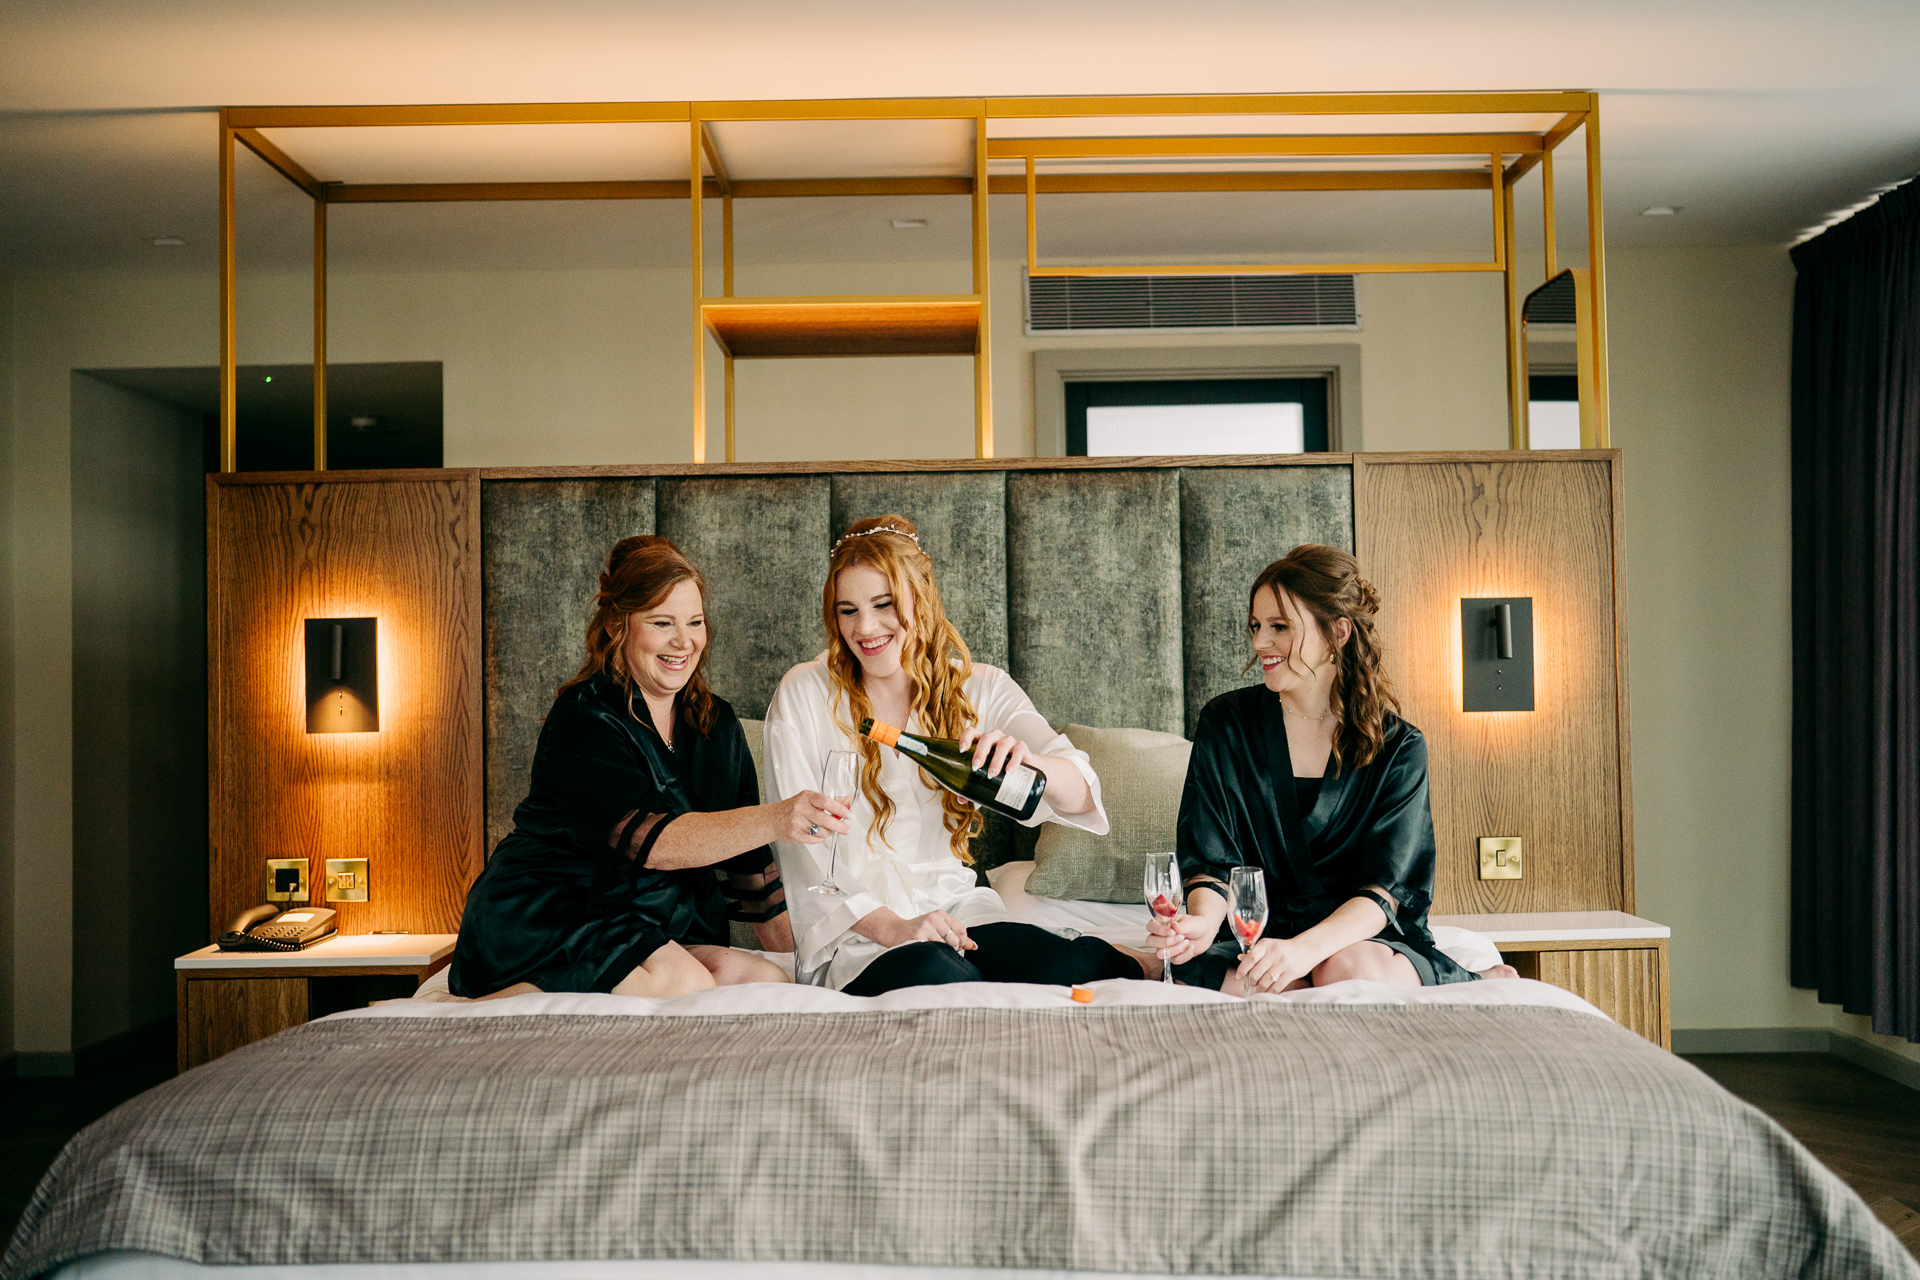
(1499, 857)
(347, 880)
(287, 880)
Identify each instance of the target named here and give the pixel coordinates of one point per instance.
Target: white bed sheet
(1119, 923)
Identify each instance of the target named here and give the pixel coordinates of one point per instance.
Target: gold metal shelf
(908, 325)
(1113, 148)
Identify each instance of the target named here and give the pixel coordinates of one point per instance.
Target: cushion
(1141, 776)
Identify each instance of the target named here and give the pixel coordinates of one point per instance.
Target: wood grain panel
(1433, 531)
(225, 1014)
(761, 327)
(1627, 985)
(407, 798)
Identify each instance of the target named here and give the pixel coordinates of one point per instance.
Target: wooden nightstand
(225, 999)
(1610, 959)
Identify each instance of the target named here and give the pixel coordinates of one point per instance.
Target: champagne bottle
(1016, 793)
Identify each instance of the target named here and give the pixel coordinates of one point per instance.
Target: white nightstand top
(1558, 926)
(342, 951)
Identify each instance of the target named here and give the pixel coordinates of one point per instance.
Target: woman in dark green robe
(643, 789)
(1314, 778)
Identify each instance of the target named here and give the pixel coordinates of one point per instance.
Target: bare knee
(670, 971)
(1366, 962)
(731, 967)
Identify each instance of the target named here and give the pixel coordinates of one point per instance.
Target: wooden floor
(1864, 1126)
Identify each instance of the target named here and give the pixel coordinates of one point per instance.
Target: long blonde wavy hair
(932, 653)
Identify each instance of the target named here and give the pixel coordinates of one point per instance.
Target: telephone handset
(282, 931)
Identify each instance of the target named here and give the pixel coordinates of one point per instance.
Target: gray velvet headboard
(1115, 595)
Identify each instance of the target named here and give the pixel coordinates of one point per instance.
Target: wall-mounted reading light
(343, 675)
(1496, 654)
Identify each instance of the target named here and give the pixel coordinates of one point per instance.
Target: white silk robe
(913, 869)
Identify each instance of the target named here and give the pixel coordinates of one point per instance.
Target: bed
(1497, 1129)
(791, 1133)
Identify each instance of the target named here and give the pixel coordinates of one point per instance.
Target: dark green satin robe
(560, 908)
(1370, 826)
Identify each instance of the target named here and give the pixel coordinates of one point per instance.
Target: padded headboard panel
(1113, 589)
(1115, 595)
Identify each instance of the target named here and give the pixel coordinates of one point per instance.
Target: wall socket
(287, 880)
(347, 880)
(1499, 857)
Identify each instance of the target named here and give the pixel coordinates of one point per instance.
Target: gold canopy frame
(1123, 133)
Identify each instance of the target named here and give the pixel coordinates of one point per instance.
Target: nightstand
(1610, 959)
(225, 999)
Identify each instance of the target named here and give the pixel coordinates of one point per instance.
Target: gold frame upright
(958, 324)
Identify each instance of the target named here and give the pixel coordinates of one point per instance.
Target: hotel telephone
(271, 929)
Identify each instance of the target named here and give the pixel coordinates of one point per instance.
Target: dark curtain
(1856, 583)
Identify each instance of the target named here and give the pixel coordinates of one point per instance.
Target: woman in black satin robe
(1312, 777)
(642, 789)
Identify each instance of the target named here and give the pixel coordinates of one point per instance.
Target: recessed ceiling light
(362, 422)
(1661, 210)
(909, 224)
(167, 242)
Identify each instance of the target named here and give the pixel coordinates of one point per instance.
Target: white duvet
(1119, 923)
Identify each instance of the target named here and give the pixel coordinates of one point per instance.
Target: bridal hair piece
(867, 533)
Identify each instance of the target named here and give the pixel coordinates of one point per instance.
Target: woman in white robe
(913, 914)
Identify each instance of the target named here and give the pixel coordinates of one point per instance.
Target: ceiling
(1760, 119)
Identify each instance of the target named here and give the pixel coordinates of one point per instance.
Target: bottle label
(1015, 786)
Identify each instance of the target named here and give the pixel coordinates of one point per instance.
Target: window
(1553, 411)
(1196, 416)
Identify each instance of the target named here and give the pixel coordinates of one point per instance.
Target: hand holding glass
(1162, 890)
(839, 781)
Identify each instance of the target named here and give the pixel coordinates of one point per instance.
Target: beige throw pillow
(1141, 776)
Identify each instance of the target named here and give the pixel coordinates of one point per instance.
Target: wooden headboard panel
(481, 580)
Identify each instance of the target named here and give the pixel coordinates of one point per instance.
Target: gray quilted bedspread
(1220, 1139)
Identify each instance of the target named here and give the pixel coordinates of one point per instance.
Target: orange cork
(884, 734)
(1083, 995)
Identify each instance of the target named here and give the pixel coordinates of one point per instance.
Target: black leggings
(1008, 952)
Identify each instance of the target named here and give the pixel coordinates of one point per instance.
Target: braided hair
(1325, 582)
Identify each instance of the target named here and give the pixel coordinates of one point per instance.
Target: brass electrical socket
(287, 880)
(1499, 857)
(347, 880)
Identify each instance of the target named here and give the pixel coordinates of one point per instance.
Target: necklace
(1320, 719)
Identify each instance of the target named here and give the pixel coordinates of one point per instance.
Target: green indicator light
(269, 378)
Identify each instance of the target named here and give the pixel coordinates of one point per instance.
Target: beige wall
(1701, 351)
(570, 367)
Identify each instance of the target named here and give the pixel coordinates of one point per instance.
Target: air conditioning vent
(1081, 304)
(1553, 303)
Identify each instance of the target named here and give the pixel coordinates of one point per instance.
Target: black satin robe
(1371, 826)
(557, 905)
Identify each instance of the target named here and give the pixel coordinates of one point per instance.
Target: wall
(139, 704)
(1701, 349)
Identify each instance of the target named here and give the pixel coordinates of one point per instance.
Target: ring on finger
(814, 830)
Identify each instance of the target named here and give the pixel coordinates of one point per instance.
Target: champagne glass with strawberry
(1163, 893)
(1248, 911)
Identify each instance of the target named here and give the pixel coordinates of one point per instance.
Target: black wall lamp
(1496, 654)
(343, 675)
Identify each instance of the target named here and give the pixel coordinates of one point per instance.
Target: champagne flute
(1163, 894)
(1248, 912)
(839, 780)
